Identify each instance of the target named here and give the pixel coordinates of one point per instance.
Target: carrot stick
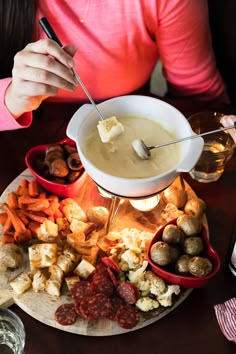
(39, 205)
(12, 200)
(21, 190)
(7, 239)
(34, 216)
(8, 225)
(42, 195)
(33, 226)
(23, 218)
(53, 207)
(33, 189)
(3, 218)
(58, 214)
(34, 204)
(16, 221)
(27, 199)
(51, 218)
(53, 198)
(24, 183)
(22, 236)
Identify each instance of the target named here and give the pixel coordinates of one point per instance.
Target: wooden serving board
(42, 306)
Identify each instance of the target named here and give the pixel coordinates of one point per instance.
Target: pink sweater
(119, 43)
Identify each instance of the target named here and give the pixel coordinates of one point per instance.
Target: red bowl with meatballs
(184, 259)
(57, 168)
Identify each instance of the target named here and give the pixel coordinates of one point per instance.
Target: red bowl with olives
(57, 167)
(180, 253)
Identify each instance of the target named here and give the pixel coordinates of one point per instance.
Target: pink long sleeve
(7, 121)
(185, 47)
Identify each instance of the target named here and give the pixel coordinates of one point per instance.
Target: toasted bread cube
(78, 225)
(42, 255)
(39, 281)
(76, 240)
(109, 129)
(70, 281)
(92, 256)
(47, 231)
(68, 260)
(84, 269)
(63, 226)
(72, 210)
(21, 283)
(53, 284)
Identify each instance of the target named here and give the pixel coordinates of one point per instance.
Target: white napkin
(226, 317)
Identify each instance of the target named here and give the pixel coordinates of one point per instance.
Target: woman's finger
(40, 68)
(50, 47)
(227, 121)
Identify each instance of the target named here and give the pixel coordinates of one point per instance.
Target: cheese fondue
(118, 158)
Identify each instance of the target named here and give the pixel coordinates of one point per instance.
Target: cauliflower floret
(165, 299)
(144, 286)
(146, 304)
(157, 284)
(149, 283)
(131, 240)
(131, 258)
(145, 239)
(135, 275)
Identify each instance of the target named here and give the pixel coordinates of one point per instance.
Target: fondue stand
(144, 204)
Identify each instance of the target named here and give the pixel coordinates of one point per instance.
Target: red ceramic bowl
(186, 281)
(69, 190)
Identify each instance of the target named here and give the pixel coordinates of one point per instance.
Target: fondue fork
(143, 151)
(47, 28)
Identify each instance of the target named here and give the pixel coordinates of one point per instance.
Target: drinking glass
(217, 150)
(12, 333)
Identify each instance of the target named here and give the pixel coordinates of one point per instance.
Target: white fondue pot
(86, 117)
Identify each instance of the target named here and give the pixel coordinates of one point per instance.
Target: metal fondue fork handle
(192, 137)
(47, 28)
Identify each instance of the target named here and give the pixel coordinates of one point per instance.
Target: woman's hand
(227, 121)
(39, 71)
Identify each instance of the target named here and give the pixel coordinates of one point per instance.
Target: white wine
(211, 163)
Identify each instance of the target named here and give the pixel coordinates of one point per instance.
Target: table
(192, 326)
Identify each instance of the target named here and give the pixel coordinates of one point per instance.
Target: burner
(146, 204)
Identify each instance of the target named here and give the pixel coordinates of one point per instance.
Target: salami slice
(66, 314)
(128, 292)
(97, 276)
(77, 309)
(111, 264)
(99, 306)
(101, 284)
(83, 308)
(112, 276)
(81, 290)
(116, 303)
(100, 267)
(127, 317)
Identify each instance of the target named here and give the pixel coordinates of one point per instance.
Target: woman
(116, 45)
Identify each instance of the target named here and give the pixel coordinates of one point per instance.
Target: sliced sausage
(128, 292)
(66, 314)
